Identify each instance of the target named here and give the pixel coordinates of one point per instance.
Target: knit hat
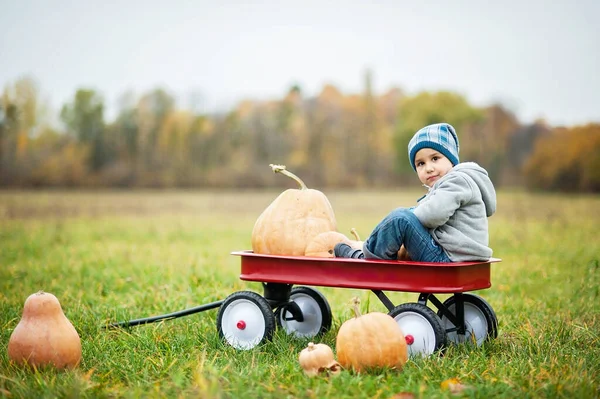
(440, 137)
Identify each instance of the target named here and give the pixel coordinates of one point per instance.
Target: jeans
(402, 227)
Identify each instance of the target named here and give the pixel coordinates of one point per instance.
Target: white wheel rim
(475, 322)
(313, 317)
(243, 324)
(420, 329)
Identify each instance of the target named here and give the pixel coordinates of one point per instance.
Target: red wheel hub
(241, 325)
(409, 339)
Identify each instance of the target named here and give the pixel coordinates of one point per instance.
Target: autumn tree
(20, 111)
(9, 127)
(520, 147)
(84, 119)
(152, 111)
(566, 160)
(487, 142)
(58, 160)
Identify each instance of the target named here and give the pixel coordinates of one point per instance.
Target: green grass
(113, 256)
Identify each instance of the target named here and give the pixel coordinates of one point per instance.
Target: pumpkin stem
(355, 303)
(311, 346)
(355, 234)
(281, 169)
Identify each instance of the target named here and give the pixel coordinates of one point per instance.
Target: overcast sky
(539, 58)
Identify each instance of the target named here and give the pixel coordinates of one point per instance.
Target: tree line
(330, 140)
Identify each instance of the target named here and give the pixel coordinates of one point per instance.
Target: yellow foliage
(567, 160)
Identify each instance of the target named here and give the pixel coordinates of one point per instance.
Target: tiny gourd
(372, 341)
(318, 358)
(322, 245)
(292, 220)
(44, 336)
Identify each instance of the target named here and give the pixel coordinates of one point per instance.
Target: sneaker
(343, 250)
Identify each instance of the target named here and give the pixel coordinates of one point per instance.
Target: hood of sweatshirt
(482, 180)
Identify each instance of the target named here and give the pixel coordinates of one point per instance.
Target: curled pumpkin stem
(281, 169)
(355, 234)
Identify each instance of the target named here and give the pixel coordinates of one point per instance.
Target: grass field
(112, 256)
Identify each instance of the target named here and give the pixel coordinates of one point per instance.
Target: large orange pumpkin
(371, 342)
(292, 220)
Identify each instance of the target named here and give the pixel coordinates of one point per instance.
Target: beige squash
(371, 342)
(292, 220)
(44, 335)
(318, 358)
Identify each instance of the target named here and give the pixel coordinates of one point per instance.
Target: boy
(449, 224)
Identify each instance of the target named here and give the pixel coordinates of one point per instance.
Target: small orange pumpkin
(44, 336)
(292, 220)
(370, 342)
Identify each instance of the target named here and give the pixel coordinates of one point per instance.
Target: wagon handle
(168, 316)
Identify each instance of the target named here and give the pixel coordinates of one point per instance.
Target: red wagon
(246, 319)
(289, 301)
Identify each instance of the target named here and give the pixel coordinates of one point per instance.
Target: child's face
(431, 166)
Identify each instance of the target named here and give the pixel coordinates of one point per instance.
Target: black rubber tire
(474, 303)
(256, 309)
(320, 316)
(421, 326)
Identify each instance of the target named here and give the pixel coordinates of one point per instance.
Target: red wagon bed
(406, 276)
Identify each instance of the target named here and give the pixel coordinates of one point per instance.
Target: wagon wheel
(481, 323)
(422, 328)
(245, 320)
(315, 311)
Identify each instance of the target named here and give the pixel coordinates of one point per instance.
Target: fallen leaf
(453, 385)
(87, 376)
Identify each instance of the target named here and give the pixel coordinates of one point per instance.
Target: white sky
(538, 58)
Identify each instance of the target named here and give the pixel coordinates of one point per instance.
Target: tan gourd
(371, 342)
(44, 335)
(318, 358)
(323, 244)
(292, 220)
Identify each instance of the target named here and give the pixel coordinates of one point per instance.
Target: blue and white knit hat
(440, 137)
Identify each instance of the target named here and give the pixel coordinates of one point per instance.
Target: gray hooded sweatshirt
(456, 210)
